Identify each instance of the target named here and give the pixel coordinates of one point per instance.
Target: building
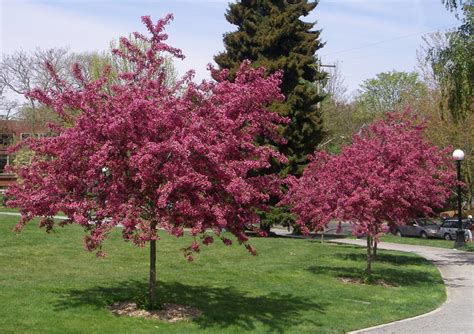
(11, 132)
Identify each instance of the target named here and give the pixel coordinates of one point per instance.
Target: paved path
(454, 316)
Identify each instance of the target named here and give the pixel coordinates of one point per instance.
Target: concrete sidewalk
(456, 315)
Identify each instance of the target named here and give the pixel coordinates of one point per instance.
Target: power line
(385, 41)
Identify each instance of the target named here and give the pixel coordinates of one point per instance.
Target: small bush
(3, 200)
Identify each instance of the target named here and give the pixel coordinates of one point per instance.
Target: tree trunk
(375, 249)
(265, 227)
(469, 187)
(368, 270)
(152, 281)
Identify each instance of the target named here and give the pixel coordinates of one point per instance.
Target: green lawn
(49, 284)
(4, 209)
(424, 242)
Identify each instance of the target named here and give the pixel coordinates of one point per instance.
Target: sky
(364, 37)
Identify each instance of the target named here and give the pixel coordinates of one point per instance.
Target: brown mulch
(169, 312)
(354, 280)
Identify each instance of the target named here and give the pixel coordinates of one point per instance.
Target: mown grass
(441, 243)
(49, 284)
(5, 209)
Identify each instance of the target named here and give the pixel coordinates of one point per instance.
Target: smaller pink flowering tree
(147, 157)
(388, 175)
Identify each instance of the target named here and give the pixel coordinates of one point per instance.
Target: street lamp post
(458, 156)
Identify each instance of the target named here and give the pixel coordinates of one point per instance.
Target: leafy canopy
(140, 152)
(453, 67)
(388, 174)
(389, 90)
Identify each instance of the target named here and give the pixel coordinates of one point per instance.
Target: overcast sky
(365, 36)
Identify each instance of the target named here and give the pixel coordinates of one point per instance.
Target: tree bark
(368, 270)
(265, 227)
(152, 281)
(375, 249)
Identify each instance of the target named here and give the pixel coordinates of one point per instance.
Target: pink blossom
(388, 175)
(180, 156)
(195, 247)
(226, 241)
(208, 240)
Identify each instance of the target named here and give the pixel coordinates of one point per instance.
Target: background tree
(120, 64)
(341, 117)
(441, 128)
(8, 108)
(149, 157)
(388, 91)
(334, 86)
(388, 175)
(342, 121)
(436, 40)
(453, 67)
(454, 5)
(446, 58)
(21, 72)
(444, 132)
(271, 34)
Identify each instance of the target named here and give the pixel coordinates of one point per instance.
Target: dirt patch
(354, 280)
(169, 312)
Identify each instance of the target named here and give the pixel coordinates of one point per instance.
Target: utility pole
(318, 83)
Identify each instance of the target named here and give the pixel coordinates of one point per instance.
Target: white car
(448, 228)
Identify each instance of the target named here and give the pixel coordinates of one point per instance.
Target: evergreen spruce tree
(271, 34)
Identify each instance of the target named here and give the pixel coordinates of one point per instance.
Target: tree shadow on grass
(221, 307)
(398, 259)
(395, 277)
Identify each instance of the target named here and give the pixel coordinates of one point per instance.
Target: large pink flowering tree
(138, 154)
(388, 175)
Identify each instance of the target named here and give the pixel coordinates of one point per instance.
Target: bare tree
(8, 109)
(433, 41)
(335, 86)
(120, 64)
(87, 62)
(21, 72)
(17, 73)
(60, 58)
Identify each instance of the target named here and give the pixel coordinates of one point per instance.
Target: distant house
(11, 132)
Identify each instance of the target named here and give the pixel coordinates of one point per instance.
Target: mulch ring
(354, 280)
(169, 312)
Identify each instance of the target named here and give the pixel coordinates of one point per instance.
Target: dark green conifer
(271, 34)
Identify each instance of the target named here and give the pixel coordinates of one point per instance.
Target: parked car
(448, 228)
(420, 227)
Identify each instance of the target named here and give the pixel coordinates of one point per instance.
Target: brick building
(11, 132)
